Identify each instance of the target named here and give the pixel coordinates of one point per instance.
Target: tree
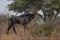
(22, 5)
(35, 5)
(56, 6)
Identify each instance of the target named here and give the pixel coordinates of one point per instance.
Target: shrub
(35, 29)
(47, 29)
(39, 30)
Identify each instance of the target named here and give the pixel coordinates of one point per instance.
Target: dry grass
(27, 35)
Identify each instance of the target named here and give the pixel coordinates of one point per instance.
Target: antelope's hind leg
(10, 26)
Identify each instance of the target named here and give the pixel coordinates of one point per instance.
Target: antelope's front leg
(14, 30)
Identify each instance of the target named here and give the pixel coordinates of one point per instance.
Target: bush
(47, 29)
(35, 29)
(39, 30)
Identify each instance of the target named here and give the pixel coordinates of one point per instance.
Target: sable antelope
(22, 20)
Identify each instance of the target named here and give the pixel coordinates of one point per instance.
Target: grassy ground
(28, 34)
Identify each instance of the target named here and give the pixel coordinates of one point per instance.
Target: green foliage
(47, 29)
(41, 30)
(56, 4)
(22, 5)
